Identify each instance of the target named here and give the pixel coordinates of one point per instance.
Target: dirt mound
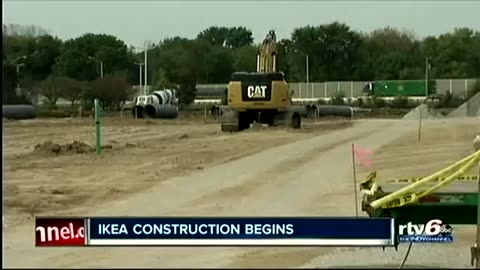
(424, 111)
(75, 147)
(471, 107)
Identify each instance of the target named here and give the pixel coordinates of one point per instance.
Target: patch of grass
(400, 102)
(338, 99)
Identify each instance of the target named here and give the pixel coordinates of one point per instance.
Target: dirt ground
(47, 178)
(188, 167)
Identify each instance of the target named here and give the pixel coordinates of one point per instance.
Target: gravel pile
(422, 255)
(424, 111)
(470, 107)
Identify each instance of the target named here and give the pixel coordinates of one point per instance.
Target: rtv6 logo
(433, 231)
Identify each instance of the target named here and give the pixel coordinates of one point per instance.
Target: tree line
(72, 69)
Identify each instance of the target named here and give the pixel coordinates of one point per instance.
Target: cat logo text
(256, 91)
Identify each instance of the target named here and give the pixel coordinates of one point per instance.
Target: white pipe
(274, 56)
(258, 62)
(145, 69)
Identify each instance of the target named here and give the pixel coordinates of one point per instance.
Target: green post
(98, 129)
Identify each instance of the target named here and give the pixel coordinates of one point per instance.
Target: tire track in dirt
(265, 178)
(174, 196)
(314, 194)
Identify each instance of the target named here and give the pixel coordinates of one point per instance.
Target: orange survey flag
(363, 156)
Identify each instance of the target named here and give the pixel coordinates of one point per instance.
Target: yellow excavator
(263, 96)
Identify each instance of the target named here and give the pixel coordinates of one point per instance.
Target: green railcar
(403, 88)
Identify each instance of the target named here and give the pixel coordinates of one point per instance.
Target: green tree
(186, 93)
(457, 55)
(245, 58)
(392, 55)
(219, 65)
(31, 46)
(42, 60)
(233, 37)
(27, 31)
(185, 64)
(71, 89)
(161, 81)
(284, 54)
(340, 50)
(332, 50)
(113, 90)
(215, 35)
(81, 57)
(335, 52)
(239, 37)
(50, 89)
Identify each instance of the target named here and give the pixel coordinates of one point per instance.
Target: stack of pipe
(160, 104)
(163, 97)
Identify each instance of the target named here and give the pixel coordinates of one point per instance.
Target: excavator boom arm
(267, 59)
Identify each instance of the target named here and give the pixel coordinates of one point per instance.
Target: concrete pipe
(161, 111)
(332, 110)
(361, 110)
(138, 112)
(171, 94)
(19, 112)
(164, 96)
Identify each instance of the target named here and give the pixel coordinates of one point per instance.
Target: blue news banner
(272, 231)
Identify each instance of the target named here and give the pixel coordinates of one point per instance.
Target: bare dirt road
(185, 170)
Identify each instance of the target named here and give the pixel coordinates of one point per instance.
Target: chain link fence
(457, 87)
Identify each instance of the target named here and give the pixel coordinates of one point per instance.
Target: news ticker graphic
(225, 231)
(60, 232)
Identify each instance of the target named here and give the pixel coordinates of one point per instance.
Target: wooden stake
(420, 126)
(354, 179)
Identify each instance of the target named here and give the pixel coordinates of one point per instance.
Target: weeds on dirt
(448, 100)
(50, 148)
(76, 147)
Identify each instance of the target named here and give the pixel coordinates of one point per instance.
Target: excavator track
(233, 121)
(290, 119)
(230, 127)
(229, 121)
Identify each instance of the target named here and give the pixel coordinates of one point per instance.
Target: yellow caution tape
(416, 179)
(408, 194)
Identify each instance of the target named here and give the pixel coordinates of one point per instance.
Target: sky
(138, 21)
